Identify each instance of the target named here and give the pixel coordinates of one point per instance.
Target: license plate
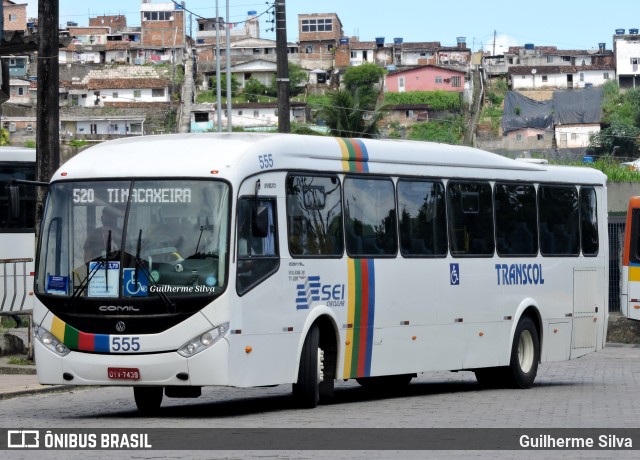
(124, 373)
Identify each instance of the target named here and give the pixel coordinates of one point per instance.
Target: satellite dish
(533, 71)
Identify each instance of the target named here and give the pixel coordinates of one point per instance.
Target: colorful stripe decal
(634, 272)
(360, 315)
(354, 155)
(77, 340)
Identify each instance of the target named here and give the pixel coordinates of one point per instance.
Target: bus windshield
(134, 239)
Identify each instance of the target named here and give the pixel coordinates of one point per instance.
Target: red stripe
(359, 156)
(364, 316)
(86, 341)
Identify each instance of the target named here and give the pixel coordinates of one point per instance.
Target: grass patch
(19, 361)
(610, 167)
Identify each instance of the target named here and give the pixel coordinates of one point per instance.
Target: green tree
(621, 140)
(223, 85)
(298, 79)
(253, 89)
(346, 116)
(363, 79)
(4, 137)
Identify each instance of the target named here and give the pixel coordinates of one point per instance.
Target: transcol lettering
(519, 274)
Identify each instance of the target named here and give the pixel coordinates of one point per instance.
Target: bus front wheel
(306, 391)
(148, 399)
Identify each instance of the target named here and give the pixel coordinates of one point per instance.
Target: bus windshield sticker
(132, 287)
(57, 285)
(104, 282)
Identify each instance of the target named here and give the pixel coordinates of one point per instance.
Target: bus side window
(470, 218)
(588, 221)
(257, 248)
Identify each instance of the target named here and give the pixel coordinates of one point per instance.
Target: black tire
(525, 355)
(306, 392)
(148, 399)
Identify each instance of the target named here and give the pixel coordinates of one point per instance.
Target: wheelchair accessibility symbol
(130, 287)
(454, 274)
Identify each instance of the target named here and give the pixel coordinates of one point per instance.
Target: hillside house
(559, 77)
(425, 78)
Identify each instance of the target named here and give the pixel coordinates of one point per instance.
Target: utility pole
(228, 67)
(48, 111)
(494, 43)
(218, 88)
(282, 72)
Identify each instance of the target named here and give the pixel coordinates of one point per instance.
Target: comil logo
(23, 439)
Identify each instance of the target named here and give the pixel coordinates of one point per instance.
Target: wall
(572, 136)
(595, 77)
(424, 79)
(618, 194)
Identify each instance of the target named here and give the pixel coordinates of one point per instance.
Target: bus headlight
(47, 339)
(203, 341)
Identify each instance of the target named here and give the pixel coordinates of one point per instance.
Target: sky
(565, 24)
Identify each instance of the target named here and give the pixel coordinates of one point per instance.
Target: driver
(97, 241)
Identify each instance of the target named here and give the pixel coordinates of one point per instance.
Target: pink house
(425, 78)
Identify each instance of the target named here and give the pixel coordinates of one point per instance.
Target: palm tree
(346, 116)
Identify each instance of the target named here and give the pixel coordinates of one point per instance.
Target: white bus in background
(169, 263)
(17, 231)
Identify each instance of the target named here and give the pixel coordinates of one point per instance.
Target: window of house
(634, 60)
(256, 114)
(12, 17)
(201, 117)
(545, 78)
(114, 95)
(20, 91)
(309, 49)
(456, 82)
(400, 82)
(518, 137)
(605, 75)
(93, 128)
(137, 93)
(438, 80)
(157, 16)
(12, 62)
(256, 51)
(581, 76)
(408, 113)
(239, 112)
(330, 47)
(317, 25)
(566, 58)
(353, 55)
(510, 60)
(549, 59)
(540, 137)
(157, 92)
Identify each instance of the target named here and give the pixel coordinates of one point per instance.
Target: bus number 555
(125, 344)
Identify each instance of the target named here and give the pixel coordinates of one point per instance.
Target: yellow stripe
(634, 273)
(348, 351)
(57, 328)
(345, 154)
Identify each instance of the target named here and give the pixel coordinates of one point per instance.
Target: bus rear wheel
(148, 399)
(525, 355)
(306, 391)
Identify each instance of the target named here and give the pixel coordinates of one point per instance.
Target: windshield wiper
(171, 307)
(100, 262)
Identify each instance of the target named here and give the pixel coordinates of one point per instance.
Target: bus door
(631, 261)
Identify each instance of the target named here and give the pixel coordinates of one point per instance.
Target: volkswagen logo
(120, 326)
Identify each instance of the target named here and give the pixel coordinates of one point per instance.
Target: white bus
(262, 259)
(17, 231)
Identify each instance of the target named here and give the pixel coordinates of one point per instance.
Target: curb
(40, 390)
